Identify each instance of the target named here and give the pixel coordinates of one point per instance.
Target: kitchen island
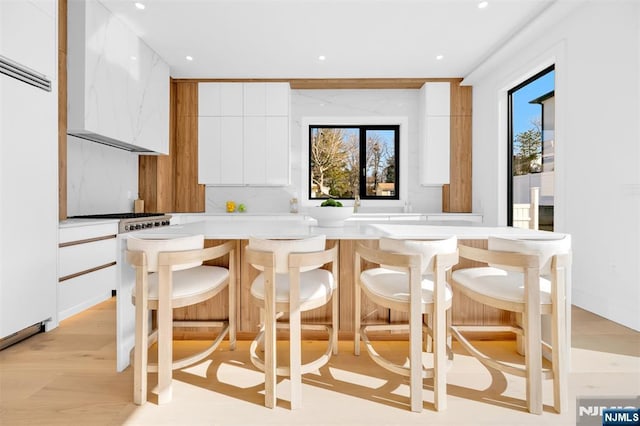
(218, 229)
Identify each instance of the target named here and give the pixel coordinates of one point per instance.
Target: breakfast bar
(237, 228)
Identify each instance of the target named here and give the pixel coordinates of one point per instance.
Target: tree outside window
(350, 161)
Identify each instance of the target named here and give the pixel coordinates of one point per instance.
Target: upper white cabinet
(26, 34)
(434, 132)
(243, 134)
(118, 87)
(266, 99)
(220, 100)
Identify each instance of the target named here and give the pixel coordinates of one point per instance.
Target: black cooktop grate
(117, 216)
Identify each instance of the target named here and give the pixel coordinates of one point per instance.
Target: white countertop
(233, 229)
(72, 223)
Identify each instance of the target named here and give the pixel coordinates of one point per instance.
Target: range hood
(118, 87)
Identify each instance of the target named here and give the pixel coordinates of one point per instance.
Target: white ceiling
(360, 38)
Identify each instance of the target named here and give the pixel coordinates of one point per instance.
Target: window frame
(362, 173)
(510, 136)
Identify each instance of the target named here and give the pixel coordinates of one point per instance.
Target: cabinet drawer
(79, 233)
(79, 293)
(82, 257)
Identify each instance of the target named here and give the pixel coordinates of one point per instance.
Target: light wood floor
(68, 377)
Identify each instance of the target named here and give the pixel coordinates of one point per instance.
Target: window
(350, 160)
(531, 152)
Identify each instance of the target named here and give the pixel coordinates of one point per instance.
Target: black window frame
(362, 128)
(511, 135)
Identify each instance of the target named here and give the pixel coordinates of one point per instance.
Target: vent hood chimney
(118, 87)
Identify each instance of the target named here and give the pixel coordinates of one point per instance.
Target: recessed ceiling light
(440, 57)
(140, 6)
(322, 58)
(189, 58)
(133, 58)
(483, 4)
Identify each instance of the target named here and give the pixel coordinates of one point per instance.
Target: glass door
(531, 152)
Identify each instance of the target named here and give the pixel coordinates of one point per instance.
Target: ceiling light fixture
(140, 6)
(440, 57)
(189, 58)
(322, 58)
(483, 4)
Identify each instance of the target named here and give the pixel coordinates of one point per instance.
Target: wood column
(457, 195)
(189, 196)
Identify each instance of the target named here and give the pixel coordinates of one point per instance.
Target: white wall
(336, 103)
(100, 179)
(596, 49)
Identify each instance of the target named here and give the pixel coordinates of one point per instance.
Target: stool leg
(439, 319)
(140, 351)
(415, 341)
(295, 355)
(533, 341)
(357, 293)
(232, 303)
(165, 335)
(270, 339)
(559, 341)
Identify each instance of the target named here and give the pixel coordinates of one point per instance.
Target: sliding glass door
(531, 152)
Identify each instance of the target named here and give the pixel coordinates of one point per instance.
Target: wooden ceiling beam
(333, 83)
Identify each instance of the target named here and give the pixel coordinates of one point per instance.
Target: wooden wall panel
(189, 196)
(459, 195)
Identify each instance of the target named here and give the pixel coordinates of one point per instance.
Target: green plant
(331, 203)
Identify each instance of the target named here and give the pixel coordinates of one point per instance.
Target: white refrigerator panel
(29, 206)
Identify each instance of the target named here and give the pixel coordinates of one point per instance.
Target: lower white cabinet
(86, 266)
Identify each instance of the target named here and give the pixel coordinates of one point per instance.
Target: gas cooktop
(116, 216)
(132, 221)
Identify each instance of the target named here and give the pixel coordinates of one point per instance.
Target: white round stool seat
(499, 284)
(201, 281)
(316, 287)
(393, 286)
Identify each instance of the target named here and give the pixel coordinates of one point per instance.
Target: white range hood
(118, 87)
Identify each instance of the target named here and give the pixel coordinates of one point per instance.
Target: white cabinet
(27, 38)
(28, 169)
(220, 150)
(118, 87)
(243, 134)
(220, 99)
(87, 270)
(434, 133)
(266, 99)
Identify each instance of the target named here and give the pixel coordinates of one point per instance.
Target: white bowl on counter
(330, 217)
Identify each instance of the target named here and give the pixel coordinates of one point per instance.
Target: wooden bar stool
(412, 278)
(170, 274)
(530, 278)
(292, 281)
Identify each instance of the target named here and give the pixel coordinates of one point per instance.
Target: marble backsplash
(100, 179)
